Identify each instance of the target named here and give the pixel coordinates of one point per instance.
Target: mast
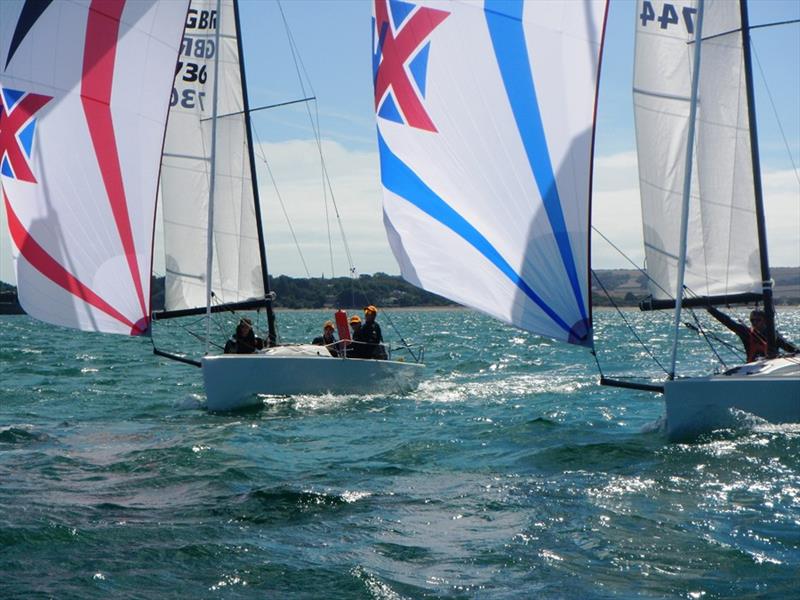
(272, 336)
(687, 184)
(766, 279)
(212, 181)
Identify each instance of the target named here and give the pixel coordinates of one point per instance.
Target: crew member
(328, 339)
(754, 337)
(371, 332)
(358, 348)
(244, 341)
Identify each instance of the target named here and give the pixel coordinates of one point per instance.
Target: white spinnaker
(185, 174)
(722, 242)
(486, 153)
(80, 191)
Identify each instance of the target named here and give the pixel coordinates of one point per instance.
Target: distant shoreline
(452, 308)
(620, 287)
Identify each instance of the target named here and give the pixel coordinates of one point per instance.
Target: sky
(333, 38)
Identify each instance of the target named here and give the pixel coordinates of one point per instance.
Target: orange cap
(355, 319)
(371, 309)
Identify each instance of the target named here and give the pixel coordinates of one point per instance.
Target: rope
(633, 331)
(716, 338)
(405, 344)
(775, 112)
(630, 260)
(699, 329)
(263, 158)
(298, 63)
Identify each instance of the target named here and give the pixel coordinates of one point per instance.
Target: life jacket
(756, 345)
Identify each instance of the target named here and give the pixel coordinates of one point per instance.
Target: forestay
(722, 243)
(186, 171)
(485, 128)
(85, 94)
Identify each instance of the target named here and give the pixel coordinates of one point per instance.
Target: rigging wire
(775, 112)
(302, 77)
(699, 328)
(263, 158)
(630, 260)
(712, 336)
(186, 328)
(633, 331)
(405, 344)
(328, 224)
(299, 66)
(325, 203)
(298, 63)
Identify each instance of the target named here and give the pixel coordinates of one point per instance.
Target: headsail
(186, 175)
(485, 127)
(85, 93)
(722, 249)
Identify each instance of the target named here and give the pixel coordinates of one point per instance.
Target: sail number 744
(669, 15)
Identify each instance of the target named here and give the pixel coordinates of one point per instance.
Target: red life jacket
(756, 346)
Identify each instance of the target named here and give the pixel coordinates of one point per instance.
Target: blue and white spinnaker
(485, 127)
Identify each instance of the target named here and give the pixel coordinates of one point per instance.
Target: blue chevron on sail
(488, 202)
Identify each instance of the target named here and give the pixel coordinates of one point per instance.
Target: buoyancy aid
(756, 345)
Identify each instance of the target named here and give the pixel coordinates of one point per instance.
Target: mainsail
(722, 254)
(485, 128)
(186, 174)
(83, 104)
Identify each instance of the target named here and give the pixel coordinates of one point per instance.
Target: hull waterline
(768, 389)
(234, 382)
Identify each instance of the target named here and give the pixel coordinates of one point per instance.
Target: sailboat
(486, 153)
(705, 199)
(99, 117)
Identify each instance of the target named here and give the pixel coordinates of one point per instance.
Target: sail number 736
(188, 98)
(669, 15)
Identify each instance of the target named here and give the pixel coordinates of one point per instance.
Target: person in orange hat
(372, 335)
(358, 349)
(328, 339)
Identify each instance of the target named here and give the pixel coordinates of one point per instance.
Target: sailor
(371, 332)
(328, 339)
(754, 337)
(244, 341)
(358, 349)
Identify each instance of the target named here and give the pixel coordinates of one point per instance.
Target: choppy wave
(509, 473)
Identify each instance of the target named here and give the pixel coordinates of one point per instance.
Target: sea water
(509, 473)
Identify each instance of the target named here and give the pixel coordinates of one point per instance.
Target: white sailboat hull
(233, 382)
(768, 389)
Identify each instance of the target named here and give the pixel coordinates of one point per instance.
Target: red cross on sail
(396, 48)
(83, 235)
(13, 120)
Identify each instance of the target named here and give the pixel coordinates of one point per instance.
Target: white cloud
(356, 186)
(782, 213)
(617, 213)
(355, 182)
